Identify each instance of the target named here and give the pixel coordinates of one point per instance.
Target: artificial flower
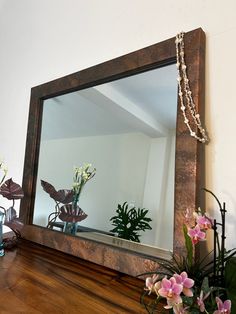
(196, 234)
(180, 291)
(204, 222)
(152, 283)
(180, 309)
(4, 169)
(171, 291)
(188, 216)
(223, 307)
(81, 176)
(201, 299)
(186, 282)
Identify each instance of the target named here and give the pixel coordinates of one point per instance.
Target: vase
(70, 227)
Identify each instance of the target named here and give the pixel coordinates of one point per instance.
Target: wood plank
(35, 279)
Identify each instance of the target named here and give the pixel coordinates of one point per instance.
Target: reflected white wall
(130, 167)
(120, 160)
(159, 191)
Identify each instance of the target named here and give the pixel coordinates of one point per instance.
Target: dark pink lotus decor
(67, 208)
(11, 191)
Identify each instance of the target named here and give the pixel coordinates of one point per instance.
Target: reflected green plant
(130, 221)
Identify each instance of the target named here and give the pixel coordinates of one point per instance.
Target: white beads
(187, 94)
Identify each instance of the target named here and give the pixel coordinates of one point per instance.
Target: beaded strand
(187, 94)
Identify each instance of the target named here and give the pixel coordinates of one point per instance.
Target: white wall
(43, 40)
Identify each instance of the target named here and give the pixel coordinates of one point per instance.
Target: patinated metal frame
(189, 163)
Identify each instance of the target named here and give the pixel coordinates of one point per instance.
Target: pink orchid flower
(186, 282)
(171, 291)
(188, 216)
(196, 234)
(201, 299)
(204, 222)
(223, 308)
(152, 284)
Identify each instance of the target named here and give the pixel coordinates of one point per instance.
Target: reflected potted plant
(190, 285)
(129, 221)
(67, 207)
(8, 217)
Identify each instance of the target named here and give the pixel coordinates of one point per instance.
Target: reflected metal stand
(2, 251)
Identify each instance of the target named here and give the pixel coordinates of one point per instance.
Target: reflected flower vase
(71, 215)
(70, 227)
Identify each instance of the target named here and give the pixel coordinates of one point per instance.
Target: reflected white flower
(82, 175)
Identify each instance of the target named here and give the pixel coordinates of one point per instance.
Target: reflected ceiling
(143, 102)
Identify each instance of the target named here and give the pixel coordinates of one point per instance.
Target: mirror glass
(126, 129)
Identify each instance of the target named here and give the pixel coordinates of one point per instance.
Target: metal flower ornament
(190, 284)
(67, 207)
(11, 191)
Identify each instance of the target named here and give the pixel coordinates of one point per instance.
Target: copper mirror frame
(189, 153)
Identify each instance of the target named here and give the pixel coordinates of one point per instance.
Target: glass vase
(70, 228)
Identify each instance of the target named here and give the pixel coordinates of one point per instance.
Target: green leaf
(187, 300)
(194, 311)
(205, 285)
(230, 281)
(129, 222)
(230, 273)
(189, 246)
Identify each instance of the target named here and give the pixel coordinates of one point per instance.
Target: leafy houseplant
(230, 281)
(192, 285)
(129, 221)
(67, 208)
(11, 191)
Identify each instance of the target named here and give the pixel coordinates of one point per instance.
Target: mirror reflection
(126, 130)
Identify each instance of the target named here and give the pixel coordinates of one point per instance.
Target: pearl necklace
(187, 94)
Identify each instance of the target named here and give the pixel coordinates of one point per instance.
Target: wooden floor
(34, 279)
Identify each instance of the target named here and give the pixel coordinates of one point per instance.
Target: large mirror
(122, 117)
(126, 129)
